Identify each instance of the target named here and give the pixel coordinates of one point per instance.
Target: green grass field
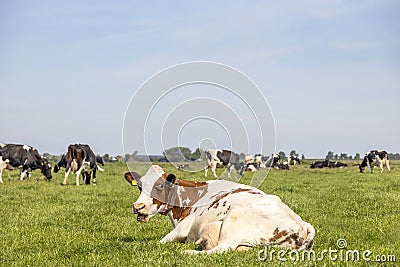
(45, 224)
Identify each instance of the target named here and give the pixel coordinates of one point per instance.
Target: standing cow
(226, 158)
(80, 158)
(375, 158)
(23, 157)
(219, 215)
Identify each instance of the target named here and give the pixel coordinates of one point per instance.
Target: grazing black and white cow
(293, 159)
(80, 158)
(64, 162)
(375, 158)
(24, 157)
(226, 158)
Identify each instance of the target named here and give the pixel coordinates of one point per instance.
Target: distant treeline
(178, 154)
(343, 156)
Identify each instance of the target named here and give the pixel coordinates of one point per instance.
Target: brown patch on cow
(278, 235)
(299, 242)
(185, 183)
(180, 213)
(215, 203)
(238, 190)
(157, 202)
(217, 199)
(189, 193)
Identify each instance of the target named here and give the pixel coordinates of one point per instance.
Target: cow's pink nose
(138, 208)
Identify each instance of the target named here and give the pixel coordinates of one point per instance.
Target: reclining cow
(294, 159)
(23, 157)
(215, 157)
(319, 164)
(375, 158)
(219, 215)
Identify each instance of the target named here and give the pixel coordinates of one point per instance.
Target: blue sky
(330, 70)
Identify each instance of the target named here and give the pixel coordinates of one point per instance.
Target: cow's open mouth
(142, 218)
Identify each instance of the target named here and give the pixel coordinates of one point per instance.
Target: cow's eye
(160, 186)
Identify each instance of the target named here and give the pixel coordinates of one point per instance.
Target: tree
(282, 155)
(302, 156)
(294, 153)
(127, 157)
(196, 154)
(177, 154)
(134, 154)
(357, 156)
(329, 156)
(106, 158)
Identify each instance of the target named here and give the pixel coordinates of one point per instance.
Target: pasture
(46, 224)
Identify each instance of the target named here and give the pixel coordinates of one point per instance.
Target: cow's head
(46, 169)
(156, 191)
(368, 159)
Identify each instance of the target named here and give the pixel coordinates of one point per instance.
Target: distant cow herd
(80, 159)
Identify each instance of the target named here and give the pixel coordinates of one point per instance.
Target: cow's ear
(132, 178)
(171, 178)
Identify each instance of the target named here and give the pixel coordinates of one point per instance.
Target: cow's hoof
(63, 184)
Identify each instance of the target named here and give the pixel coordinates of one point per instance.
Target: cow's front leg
(205, 171)
(78, 174)
(180, 232)
(66, 176)
(1, 175)
(173, 236)
(77, 178)
(229, 168)
(213, 169)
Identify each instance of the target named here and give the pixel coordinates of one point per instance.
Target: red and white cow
(219, 215)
